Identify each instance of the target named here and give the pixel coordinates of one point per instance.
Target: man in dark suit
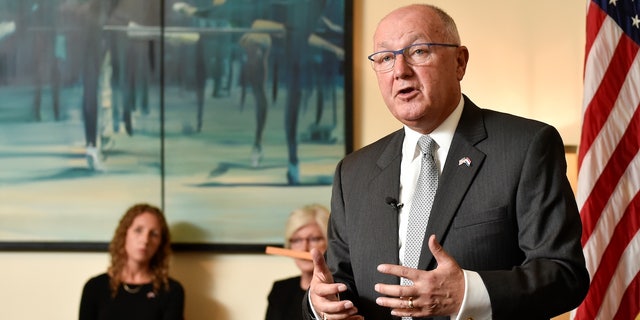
(503, 237)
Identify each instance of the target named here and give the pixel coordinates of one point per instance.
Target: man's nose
(401, 67)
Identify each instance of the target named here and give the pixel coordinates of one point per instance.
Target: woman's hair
(298, 218)
(159, 264)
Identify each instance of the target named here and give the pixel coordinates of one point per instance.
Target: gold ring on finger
(410, 302)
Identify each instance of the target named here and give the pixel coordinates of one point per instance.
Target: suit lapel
(456, 177)
(386, 184)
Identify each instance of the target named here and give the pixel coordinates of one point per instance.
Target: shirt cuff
(315, 315)
(476, 304)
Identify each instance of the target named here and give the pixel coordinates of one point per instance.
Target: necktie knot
(427, 145)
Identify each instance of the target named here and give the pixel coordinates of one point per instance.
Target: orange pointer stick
(289, 253)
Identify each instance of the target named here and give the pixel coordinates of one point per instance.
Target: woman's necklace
(131, 290)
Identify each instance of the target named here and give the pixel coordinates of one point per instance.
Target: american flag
(609, 161)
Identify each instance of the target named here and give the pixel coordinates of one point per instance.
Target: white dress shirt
(476, 303)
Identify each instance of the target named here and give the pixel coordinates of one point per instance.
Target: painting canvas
(227, 114)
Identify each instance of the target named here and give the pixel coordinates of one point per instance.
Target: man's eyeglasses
(310, 240)
(416, 55)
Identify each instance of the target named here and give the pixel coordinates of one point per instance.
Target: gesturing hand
(438, 292)
(324, 293)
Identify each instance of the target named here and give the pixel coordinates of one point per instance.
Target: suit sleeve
(337, 255)
(338, 247)
(552, 277)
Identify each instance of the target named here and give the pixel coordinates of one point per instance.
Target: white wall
(218, 286)
(525, 58)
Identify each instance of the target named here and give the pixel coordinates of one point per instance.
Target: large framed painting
(226, 114)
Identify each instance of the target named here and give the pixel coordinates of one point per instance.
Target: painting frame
(166, 32)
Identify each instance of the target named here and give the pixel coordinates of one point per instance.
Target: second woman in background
(306, 229)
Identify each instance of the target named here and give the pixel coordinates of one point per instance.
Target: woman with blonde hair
(306, 228)
(137, 283)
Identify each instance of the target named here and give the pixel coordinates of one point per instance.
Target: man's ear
(462, 58)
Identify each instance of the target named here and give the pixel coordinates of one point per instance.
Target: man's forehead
(396, 40)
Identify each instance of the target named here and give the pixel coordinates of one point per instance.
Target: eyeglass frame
(401, 51)
(308, 240)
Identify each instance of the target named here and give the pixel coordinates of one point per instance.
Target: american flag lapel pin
(466, 161)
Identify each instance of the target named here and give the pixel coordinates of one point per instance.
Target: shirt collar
(443, 134)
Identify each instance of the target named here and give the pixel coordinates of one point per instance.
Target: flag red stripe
(608, 146)
(624, 231)
(595, 18)
(605, 97)
(608, 180)
(629, 306)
